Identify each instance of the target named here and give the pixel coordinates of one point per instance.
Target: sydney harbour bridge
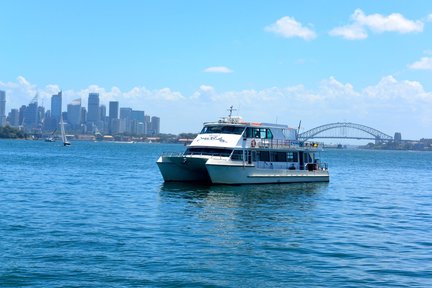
(345, 130)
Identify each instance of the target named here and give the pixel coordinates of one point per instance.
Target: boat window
(218, 129)
(237, 155)
(269, 134)
(260, 133)
(292, 157)
(280, 156)
(264, 155)
(208, 151)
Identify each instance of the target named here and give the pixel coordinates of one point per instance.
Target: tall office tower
(22, 112)
(125, 120)
(2, 108)
(113, 125)
(137, 123)
(155, 125)
(113, 109)
(125, 113)
(13, 118)
(147, 126)
(138, 116)
(74, 113)
(84, 115)
(56, 106)
(102, 110)
(93, 113)
(31, 118)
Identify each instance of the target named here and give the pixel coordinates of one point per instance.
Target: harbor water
(99, 215)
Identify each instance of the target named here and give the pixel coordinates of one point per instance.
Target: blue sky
(368, 62)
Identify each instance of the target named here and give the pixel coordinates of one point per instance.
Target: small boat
(51, 138)
(232, 151)
(63, 135)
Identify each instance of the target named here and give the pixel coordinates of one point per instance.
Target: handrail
(278, 143)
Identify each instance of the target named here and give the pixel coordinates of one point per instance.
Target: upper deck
(234, 132)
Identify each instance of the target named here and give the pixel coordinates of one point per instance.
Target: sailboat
(63, 135)
(51, 138)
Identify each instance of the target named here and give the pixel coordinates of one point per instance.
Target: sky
(366, 62)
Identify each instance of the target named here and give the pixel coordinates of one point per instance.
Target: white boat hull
(225, 172)
(183, 169)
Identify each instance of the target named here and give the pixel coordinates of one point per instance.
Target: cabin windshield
(219, 129)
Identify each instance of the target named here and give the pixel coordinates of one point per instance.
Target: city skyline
(275, 61)
(35, 118)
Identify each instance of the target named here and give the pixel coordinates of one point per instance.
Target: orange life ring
(253, 143)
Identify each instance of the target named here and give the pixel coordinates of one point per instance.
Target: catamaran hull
(183, 169)
(248, 174)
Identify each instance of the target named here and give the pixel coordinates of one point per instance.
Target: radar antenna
(231, 109)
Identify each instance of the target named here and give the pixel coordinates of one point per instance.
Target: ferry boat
(232, 151)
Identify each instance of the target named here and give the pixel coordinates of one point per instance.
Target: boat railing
(278, 144)
(172, 154)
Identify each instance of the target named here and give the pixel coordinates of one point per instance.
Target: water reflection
(246, 194)
(241, 215)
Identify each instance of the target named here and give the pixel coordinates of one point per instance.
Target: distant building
(2, 108)
(56, 110)
(113, 109)
(102, 110)
(13, 118)
(125, 120)
(56, 106)
(155, 125)
(138, 116)
(74, 113)
(31, 114)
(397, 137)
(113, 126)
(93, 114)
(22, 111)
(83, 115)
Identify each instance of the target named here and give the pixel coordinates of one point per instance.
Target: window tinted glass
(222, 129)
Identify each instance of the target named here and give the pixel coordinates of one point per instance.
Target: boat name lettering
(212, 138)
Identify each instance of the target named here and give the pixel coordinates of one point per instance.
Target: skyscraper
(2, 108)
(113, 109)
(155, 125)
(113, 117)
(31, 114)
(13, 118)
(93, 113)
(56, 106)
(74, 113)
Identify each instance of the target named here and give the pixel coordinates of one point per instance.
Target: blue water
(99, 215)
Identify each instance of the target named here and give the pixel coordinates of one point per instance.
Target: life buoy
(253, 143)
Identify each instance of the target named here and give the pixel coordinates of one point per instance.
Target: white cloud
(218, 69)
(429, 18)
(204, 92)
(392, 23)
(350, 32)
(425, 63)
(288, 27)
(376, 23)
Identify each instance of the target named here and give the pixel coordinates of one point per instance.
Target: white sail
(63, 134)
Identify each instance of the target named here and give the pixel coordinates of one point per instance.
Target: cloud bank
(390, 105)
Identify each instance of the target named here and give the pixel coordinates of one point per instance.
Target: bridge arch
(375, 134)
